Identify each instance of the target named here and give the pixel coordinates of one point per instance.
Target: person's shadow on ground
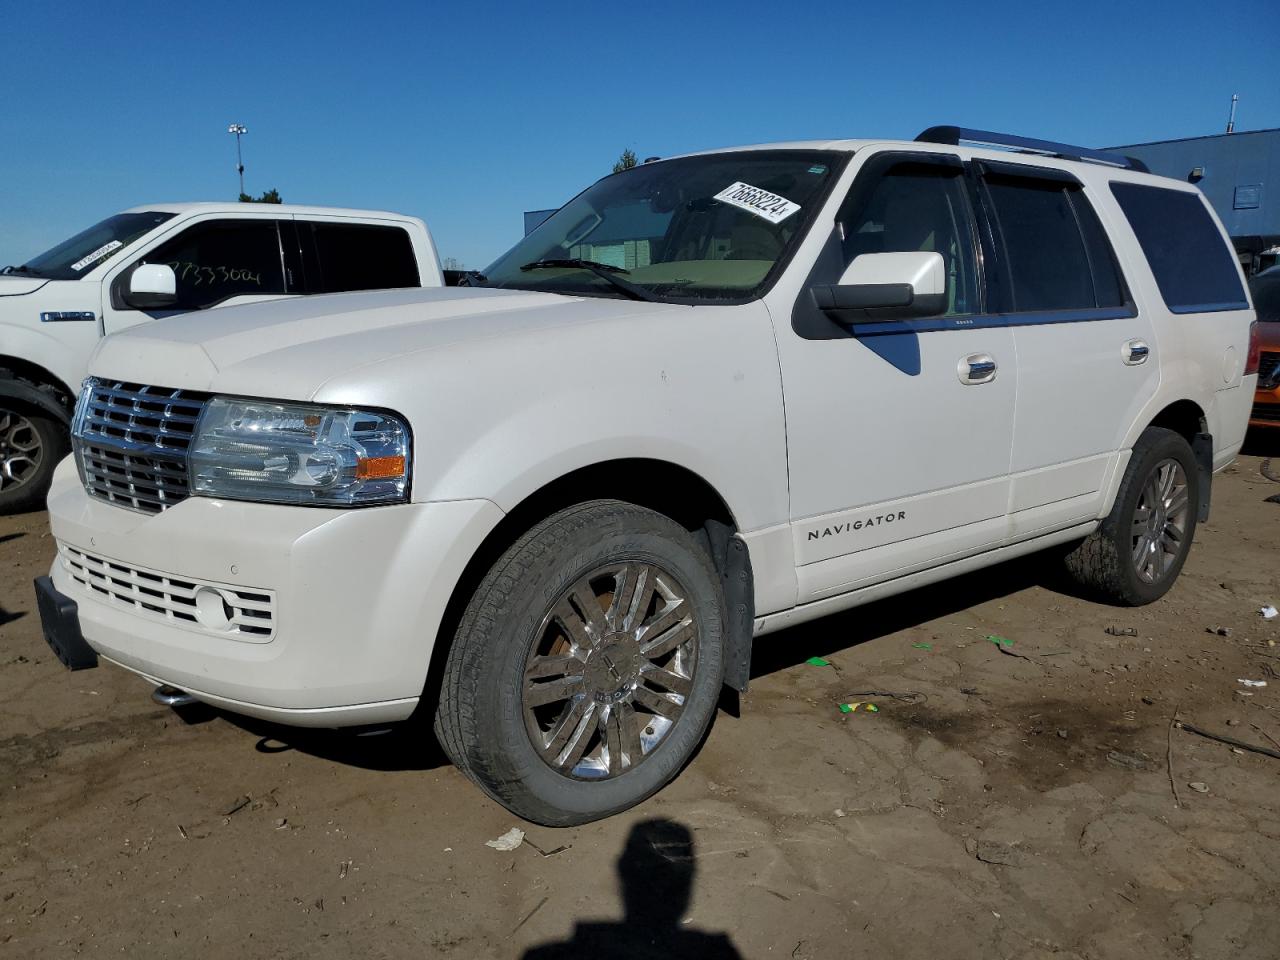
(656, 870)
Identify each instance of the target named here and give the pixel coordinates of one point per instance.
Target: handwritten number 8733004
(198, 275)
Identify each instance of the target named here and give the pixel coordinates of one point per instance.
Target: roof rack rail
(953, 136)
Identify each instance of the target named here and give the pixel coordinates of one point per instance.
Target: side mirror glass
(877, 287)
(152, 286)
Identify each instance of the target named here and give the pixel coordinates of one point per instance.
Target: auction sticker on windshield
(762, 203)
(98, 254)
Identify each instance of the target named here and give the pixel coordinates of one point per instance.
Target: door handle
(1136, 352)
(976, 368)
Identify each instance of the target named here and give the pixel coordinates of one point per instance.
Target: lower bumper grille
(215, 608)
(1268, 412)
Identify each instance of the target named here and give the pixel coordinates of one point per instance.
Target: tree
(626, 161)
(269, 196)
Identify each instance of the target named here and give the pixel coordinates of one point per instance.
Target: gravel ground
(1025, 801)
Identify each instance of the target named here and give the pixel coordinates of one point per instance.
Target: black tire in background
(31, 444)
(525, 657)
(1127, 560)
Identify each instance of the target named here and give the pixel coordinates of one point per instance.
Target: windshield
(73, 258)
(708, 228)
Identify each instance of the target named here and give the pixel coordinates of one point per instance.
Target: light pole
(239, 129)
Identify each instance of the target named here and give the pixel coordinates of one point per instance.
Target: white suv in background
(156, 261)
(711, 397)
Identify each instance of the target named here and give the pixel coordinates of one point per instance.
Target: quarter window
(1056, 252)
(359, 256)
(1193, 266)
(221, 259)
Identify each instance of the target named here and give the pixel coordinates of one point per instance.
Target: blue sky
(466, 114)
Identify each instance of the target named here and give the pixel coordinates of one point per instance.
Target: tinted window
(918, 207)
(1266, 296)
(359, 256)
(220, 259)
(1057, 254)
(1193, 266)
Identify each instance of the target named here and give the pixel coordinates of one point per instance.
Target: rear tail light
(1255, 350)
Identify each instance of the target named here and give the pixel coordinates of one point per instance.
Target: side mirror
(152, 286)
(877, 287)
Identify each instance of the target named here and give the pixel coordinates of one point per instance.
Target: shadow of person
(656, 871)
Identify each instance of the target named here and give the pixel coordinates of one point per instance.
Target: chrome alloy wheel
(1160, 521)
(610, 670)
(20, 450)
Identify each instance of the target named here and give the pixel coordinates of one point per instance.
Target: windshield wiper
(22, 269)
(605, 271)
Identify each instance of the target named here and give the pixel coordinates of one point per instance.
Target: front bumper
(358, 596)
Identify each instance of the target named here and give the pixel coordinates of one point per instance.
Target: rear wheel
(587, 666)
(1136, 554)
(31, 445)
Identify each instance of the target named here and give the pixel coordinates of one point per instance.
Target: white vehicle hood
(16, 285)
(289, 349)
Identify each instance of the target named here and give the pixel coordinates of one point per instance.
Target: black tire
(1104, 563)
(24, 486)
(481, 717)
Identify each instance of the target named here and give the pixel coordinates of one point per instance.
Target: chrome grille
(1269, 371)
(131, 442)
(245, 614)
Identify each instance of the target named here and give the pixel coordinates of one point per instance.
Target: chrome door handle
(1136, 352)
(976, 368)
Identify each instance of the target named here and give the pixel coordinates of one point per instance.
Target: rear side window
(361, 256)
(1193, 266)
(1057, 253)
(220, 259)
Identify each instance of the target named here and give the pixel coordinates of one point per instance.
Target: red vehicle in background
(1265, 288)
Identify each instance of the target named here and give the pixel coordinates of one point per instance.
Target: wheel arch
(660, 485)
(1185, 417)
(1189, 420)
(35, 387)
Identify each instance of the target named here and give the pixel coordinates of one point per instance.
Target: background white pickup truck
(55, 307)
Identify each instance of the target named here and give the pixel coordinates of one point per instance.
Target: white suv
(711, 397)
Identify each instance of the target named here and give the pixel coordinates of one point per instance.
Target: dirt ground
(1029, 801)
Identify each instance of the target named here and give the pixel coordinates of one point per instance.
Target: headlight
(299, 453)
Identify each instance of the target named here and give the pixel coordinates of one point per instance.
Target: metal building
(1239, 173)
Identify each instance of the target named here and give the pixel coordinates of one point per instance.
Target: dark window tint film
(1193, 266)
(359, 256)
(221, 259)
(1048, 262)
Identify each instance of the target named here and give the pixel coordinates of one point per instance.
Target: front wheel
(1136, 554)
(586, 668)
(31, 445)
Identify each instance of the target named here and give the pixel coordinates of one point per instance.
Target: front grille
(243, 614)
(1269, 371)
(131, 442)
(1269, 412)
